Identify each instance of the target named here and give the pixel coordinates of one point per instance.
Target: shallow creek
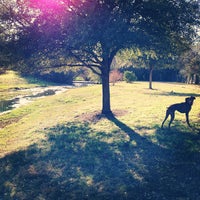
(33, 93)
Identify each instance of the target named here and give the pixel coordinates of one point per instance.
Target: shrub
(129, 76)
(115, 76)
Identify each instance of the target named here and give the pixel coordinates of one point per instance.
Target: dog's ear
(187, 99)
(190, 100)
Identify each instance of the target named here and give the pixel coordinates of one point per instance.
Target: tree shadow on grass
(78, 162)
(180, 138)
(181, 94)
(174, 160)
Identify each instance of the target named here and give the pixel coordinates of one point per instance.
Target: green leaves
(129, 76)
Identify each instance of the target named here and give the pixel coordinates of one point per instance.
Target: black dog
(184, 107)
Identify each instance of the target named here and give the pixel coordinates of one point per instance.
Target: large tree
(90, 33)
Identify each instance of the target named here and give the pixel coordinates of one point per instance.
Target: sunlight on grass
(11, 80)
(12, 85)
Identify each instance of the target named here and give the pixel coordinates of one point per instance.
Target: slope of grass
(11, 81)
(60, 147)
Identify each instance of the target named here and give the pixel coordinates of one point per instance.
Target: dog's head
(190, 100)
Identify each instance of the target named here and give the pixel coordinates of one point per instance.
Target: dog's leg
(172, 118)
(187, 119)
(166, 116)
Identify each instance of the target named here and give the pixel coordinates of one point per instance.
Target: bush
(115, 76)
(129, 76)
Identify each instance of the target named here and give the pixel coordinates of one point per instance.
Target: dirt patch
(4, 123)
(95, 116)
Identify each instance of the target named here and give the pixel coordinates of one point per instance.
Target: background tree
(147, 59)
(90, 33)
(190, 64)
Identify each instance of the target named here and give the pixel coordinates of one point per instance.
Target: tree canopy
(90, 33)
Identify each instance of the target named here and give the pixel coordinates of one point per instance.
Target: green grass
(60, 147)
(11, 84)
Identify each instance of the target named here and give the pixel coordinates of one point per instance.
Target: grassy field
(60, 147)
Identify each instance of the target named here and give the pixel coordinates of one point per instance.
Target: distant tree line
(142, 74)
(165, 75)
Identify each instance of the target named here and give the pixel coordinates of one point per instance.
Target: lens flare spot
(47, 4)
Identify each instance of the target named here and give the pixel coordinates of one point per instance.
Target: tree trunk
(108, 56)
(106, 110)
(150, 77)
(197, 81)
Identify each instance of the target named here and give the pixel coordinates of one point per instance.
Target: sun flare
(48, 4)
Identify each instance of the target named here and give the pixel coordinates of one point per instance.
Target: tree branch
(91, 67)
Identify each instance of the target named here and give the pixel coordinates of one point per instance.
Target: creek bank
(33, 93)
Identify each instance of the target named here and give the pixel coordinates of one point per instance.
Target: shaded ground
(78, 162)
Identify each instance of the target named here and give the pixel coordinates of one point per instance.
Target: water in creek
(7, 105)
